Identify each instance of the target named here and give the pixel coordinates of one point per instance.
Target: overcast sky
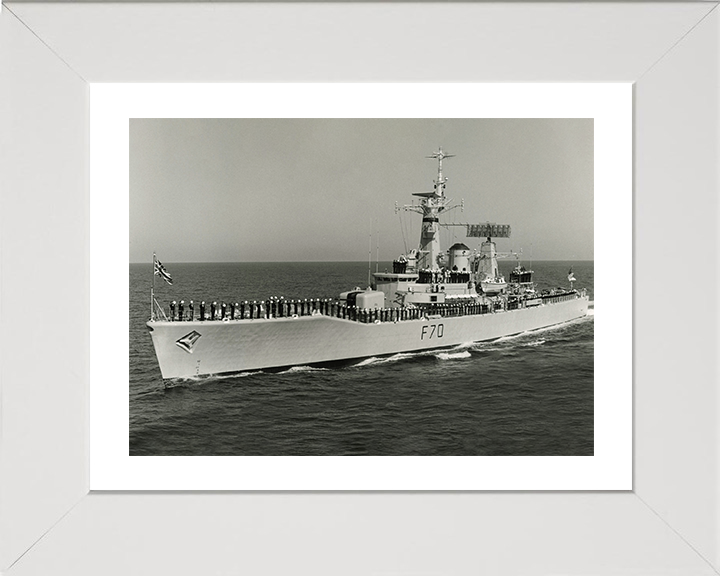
(245, 190)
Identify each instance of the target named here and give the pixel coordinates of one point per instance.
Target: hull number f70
(432, 331)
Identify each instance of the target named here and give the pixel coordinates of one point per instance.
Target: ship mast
(431, 204)
(429, 256)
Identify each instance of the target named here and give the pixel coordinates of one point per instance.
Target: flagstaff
(159, 270)
(152, 292)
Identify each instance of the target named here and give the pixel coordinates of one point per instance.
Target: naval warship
(432, 299)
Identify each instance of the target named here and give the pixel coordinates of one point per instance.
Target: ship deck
(272, 309)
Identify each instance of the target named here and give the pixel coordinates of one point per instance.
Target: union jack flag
(160, 271)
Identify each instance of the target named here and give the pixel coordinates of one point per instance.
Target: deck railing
(281, 308)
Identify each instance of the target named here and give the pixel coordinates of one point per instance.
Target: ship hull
(194, 348)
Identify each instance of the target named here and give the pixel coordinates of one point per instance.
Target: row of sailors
(280, 308)
(554, 299)
(427, 276)
(271, 308)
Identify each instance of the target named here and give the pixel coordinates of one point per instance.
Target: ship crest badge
(188, 341)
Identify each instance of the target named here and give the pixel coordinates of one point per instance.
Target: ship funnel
(459, 258)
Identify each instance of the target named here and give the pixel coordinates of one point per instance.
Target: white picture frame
(49, 53)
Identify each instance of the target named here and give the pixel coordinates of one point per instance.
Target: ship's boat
(431, 299)
(496, 285)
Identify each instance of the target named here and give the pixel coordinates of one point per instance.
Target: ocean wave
(506, 339)
(236, 375)
(303, 368)
(529, 337)
(195, 380)
(453, 355)
(178, 383)
(463, 346)
(374, 360)
(241, 374)
(367, 361)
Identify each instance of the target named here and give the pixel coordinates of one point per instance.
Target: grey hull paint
(242, 345)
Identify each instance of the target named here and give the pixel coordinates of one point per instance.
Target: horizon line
(331, 261)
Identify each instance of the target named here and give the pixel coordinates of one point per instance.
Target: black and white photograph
(370, 287)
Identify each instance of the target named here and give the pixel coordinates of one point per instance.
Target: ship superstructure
(428, 275)
(433, 298)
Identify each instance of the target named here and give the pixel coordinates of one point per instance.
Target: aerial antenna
(370, 254)
(531, 255)
(377, 253)
(402, 226)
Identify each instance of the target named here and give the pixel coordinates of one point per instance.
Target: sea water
(530, 394)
